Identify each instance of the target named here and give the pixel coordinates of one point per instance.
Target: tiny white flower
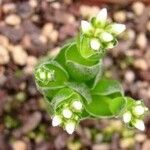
(138, 102)
(139, 124)
(102, 15)
(56, 121)
(67, 113)
(117, 28)
(77, 105)
(70, 127)
(50, 75)
(85, 26)
(95, 44)
(127, 117)
(106, 37)
(42, 75)
(138, 110)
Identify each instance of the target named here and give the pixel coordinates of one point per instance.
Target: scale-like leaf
(107, 87)
(103, 106)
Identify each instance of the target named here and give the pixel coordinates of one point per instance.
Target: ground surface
(35, 28)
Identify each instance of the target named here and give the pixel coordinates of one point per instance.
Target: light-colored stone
(19, 55)
(33, 3)
(148, 26)
(120, 16)
(141, 64)
(13, 20)
(31, 61)
(101, 147)
(129, 76)
(88, 11)
(19, 145)
(4, 41)
(4, 56)
(141, 40)
(146, 145)
(140, 137)
(53, 36)
(9, 8)
(127, 143)
(138, 8)
(47, 29)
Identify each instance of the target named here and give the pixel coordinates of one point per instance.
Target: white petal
(139, 124)
(138, 110)
(85, 26)
(95, 44)
(127, 117)
(106, 37)
(117, 28)
(67, 113)
(56, 121)
(102, 15)
(77, 105)
(70, 127)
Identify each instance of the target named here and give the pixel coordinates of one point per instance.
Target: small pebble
(127, 143)
(146, 145)
(88, 12)
(129, 76)
(141, 40)
(13, 20)
(140, 138)
(31, 60)
(120, 16)
(101, 147)
(141, 64)
(4, 56)
(33, 3)
(4, 41)
(9, 8)
(138, 8)
(47, 29)
(130, 34)
(148, 26)
(19, 145)
(53, 36)
(19, 55)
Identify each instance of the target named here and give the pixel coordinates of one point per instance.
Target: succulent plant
(73, 84)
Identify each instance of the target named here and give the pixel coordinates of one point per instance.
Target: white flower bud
(77, 105)
(127, 117)
(139, 124)
(102, 15)
(67, 113)
(50, 75)
(42, 75)
(117, 28)
(106, 37)
(70, 127)
(56, 121)
(86, 26)
(95, 44)
(138, 110)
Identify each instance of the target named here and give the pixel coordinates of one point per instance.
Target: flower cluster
(134, 115)
(68, 115)
(101, 31)
(44, 75)
(73, 85)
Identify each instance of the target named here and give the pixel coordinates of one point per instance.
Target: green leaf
(107, 87)
(102, 106)
(65, 95)
(60, 76)
(82, 89)
(79, 68)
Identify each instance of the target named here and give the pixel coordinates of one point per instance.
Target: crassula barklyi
(73, 84)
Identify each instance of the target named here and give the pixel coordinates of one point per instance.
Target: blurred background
(31, 29)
